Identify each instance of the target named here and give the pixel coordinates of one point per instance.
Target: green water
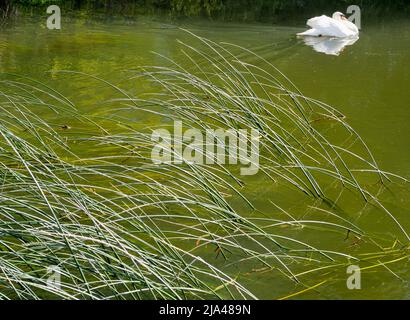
(368, 82)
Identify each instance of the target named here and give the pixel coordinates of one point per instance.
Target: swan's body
(337, 26)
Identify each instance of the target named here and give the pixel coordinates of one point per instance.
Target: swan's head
(339, 16)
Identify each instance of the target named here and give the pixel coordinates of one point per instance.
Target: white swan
(337, 26)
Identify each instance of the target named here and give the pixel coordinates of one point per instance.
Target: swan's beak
(344, 18)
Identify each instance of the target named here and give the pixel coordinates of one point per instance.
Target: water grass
(89, 200)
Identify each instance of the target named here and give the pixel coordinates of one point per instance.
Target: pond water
(368, 82)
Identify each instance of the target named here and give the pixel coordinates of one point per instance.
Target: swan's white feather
(352, 26)
(329, 27)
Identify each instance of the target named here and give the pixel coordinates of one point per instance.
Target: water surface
(368, 82)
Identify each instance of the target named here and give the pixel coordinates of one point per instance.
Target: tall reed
(89, 200)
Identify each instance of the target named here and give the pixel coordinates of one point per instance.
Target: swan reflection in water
(330, 45)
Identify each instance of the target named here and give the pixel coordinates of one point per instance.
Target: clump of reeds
(89, 201)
